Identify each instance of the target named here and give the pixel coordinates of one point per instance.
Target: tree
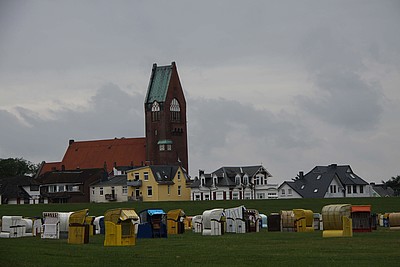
(17, 167)
(394, 183)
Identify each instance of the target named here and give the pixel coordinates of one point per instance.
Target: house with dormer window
(332, 181)
(158, 183)
(249, 182)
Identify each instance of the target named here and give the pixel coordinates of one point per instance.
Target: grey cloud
(211, 120)
(111, 113)
(342, 97)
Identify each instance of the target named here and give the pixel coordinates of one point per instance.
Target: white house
(330, 181)
(113, 190)
(249, 182)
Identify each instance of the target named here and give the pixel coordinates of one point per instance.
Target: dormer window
(245, 179)
(155, 111)
(175, 110)
(215, 180)
(237, 180)
(203, 181)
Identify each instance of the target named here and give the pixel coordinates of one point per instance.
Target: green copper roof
(164, 142)
(158, 85)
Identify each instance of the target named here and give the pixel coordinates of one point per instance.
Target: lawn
(378, 248)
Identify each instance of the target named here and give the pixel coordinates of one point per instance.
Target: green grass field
(378, 248)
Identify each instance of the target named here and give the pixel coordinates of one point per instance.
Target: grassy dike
(379, 248)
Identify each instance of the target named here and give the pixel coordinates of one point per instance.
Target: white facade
(101, 194)
(285, 191)
(241, 186)
(335, 189)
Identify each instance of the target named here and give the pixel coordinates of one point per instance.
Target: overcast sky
(286, 84)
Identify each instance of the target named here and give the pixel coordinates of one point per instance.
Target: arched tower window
(175, 110)
(155, 111)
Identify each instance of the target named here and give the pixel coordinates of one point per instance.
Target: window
(245, 179)
(179, 176)
(316, 190)
(169, 147)
(149, 191)
(302, 187)
(61, 188)
(361, 189)
(146, 176)
(155, 111)
(319, 177)
(257, 180)
(175, 110)
(168, 189)
(179, 190)
(124, 190)
(352, 176)
(203, 181)
(52, 188)
(215, 180)
(237, 180)
(260, 195)
(206, 197)
(283, 191)
(349, 189)
(162, 147)
(101, 191)
(137, 175)
(235, 195)
(354, 189)
(289, 191)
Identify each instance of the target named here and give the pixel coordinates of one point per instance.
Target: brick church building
(165, 142)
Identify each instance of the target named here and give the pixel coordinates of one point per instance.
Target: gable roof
(72, 176)
(159, 83)
(226, 175)
(315, 183)
(117, 180)
(12, 187)
(101, 154)
(383, 190)
(164, 174)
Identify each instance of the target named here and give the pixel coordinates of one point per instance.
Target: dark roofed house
(69, 186)
(248, 182)
(19, 190)
(382, 190)
(114, 189)
(332, 181)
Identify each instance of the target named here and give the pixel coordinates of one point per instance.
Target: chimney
(71, 141)
(334, 165)
(201, 172)
(301, 174)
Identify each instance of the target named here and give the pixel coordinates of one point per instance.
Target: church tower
(165, 118)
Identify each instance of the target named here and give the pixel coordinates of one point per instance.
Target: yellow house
(158, 183)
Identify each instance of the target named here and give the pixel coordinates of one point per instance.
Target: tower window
(155, 111)
(175, 110)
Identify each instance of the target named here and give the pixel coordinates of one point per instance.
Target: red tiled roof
(50, 166)
(93, 154)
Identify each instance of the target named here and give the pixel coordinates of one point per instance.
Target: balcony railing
(135, 183)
